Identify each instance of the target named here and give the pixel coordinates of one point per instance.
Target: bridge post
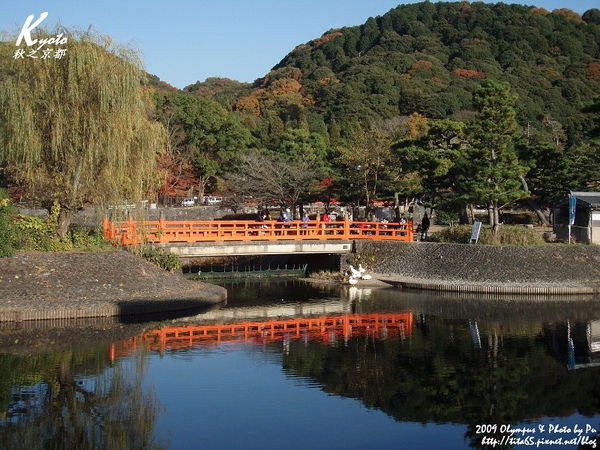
(106, 229)
(162, 230)
(346, 228)
(130, 236)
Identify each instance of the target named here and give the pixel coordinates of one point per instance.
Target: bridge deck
(132, 232)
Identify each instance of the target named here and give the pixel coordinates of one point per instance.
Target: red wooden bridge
(324, 328)
(163, 231)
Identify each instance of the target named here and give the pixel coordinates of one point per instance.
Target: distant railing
(131, 232)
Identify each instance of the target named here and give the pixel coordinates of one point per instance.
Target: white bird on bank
(355, 273)
(349, 279)
(363, 275)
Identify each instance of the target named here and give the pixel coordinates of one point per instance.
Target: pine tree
(493, 167)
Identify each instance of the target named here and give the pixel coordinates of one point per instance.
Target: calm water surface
(291, 365)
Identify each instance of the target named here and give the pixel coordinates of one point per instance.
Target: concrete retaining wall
(553, 269)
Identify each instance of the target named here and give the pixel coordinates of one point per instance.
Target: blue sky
(183, 41)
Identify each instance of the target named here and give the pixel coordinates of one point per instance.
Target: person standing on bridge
(425, 223)
(403, 224)
(285, 217)
(305, 220)
(326, 218)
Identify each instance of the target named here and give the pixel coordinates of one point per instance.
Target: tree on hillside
(586, 159)
(202, 134)
(75, 130)
(494, 168)
(363, 162)
(301, 143)
(271, 178)
(438, 159)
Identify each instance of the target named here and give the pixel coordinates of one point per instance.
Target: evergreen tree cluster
(430, 58)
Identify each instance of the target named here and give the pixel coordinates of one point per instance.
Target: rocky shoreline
(67, 285)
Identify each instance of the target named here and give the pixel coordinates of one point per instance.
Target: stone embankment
(553, 269)
(65, 285)
(41, 285)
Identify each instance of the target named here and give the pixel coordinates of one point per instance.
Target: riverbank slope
(552, 269)
(61, 285)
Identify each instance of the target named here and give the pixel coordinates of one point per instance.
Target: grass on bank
(505, 235)
(326, 275)
(157, 256)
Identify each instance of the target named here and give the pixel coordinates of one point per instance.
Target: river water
(290, 365)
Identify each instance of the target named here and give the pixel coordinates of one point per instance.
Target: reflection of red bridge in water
(325, 328)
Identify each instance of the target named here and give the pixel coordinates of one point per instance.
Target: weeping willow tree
(76, 130)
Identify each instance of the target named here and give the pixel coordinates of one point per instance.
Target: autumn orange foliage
(178, 175)
(592, 71)
(421, 66)
(466, 73)
(569, 14)
(285, 86)
(541, 11)
(248, 105)
(325, 38)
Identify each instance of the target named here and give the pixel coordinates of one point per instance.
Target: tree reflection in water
(440, 376)
(76, 400)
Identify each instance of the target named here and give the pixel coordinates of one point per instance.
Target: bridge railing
(132, 232)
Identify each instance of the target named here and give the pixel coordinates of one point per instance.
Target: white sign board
(475, 232)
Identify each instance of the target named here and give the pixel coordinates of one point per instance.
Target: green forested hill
(430, 58)
(390, 109)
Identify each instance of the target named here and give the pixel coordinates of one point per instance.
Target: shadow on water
(37, 336)
(505, 309)
(253, 291)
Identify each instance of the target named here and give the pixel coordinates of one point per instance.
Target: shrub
(84, 238)
(505, 235)
(158, 256)
(9, 233)
(445, 217)
(40, 235)
(33, 231)
(520, 218)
